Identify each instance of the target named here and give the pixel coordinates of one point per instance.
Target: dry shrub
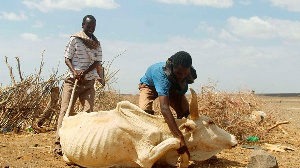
(131, 98)
(104, 100)
(232, 111)
(107, 100)
(25, 101)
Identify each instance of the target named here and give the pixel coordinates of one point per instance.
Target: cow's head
(203, 137)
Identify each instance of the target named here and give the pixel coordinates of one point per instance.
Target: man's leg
(87, 96)
(180, 104)
(147, 96)
(66, 95)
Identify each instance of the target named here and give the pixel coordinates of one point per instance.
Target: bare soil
(27, 149)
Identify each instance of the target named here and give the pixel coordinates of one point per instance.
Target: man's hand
(183, 148)
(79, 76)
(102, 81)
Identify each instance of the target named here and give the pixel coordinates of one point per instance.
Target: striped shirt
(82, 57)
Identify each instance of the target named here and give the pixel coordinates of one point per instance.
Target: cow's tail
(71, 100)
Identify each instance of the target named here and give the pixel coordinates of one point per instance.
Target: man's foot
(57, 150)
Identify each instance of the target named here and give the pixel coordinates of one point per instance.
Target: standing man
(169, 82)
(83, 54)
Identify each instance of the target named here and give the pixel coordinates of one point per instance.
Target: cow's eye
(211, 122)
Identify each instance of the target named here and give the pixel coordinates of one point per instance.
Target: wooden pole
(71, 99)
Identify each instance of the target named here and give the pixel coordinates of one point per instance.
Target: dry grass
(24, 101)
(232, 111)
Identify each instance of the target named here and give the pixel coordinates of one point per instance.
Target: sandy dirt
(36, 150)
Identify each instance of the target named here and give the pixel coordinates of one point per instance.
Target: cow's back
(87, 138)
(106, 138)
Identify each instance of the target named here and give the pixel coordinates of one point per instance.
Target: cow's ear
(188, 127)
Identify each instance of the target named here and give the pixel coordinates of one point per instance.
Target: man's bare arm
(71, 67)
(169, 118)
(91, 67)
(69, 64)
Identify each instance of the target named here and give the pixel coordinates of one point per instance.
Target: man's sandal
(57, 150)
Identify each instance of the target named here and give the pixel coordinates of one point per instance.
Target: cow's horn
(194, 105)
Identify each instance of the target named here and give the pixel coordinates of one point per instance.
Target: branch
(10, 71)
(41, 66)
(277, 124)
(19, 68)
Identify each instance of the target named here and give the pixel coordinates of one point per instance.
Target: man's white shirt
(82, 57)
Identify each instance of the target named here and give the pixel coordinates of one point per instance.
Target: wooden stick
(277, 124)
(40, 147)
(71, 99)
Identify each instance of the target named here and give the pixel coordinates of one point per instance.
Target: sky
(235, 44)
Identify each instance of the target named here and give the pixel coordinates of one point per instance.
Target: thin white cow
(127, 136)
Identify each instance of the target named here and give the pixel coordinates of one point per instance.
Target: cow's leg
(159, 150)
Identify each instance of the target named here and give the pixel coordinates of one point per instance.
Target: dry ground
(35, 150)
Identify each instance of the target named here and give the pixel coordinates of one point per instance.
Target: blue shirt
(155, 76)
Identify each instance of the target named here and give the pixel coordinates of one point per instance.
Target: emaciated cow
(127, 136)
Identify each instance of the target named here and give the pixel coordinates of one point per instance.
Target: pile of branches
(232, 111)
(28, 100)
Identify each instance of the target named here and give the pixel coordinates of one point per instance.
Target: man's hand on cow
(183, 148)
